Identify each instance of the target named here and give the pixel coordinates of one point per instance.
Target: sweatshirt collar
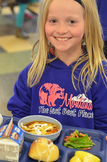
(57, 63)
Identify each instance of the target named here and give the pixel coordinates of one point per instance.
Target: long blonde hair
(93, 43)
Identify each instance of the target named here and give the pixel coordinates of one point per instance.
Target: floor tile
(14, 62)
(12, 44)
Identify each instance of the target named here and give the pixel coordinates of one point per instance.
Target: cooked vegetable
(78, 141)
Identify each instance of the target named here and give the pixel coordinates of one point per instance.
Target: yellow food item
(44, 149)
(87, 159)
(75, 159)
(82, 154)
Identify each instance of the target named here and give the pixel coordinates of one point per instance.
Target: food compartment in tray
(97, 137)
(71, 153)
(25, 150)
(24, 155)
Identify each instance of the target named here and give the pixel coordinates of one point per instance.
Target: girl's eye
(53, 21)
(72, 21)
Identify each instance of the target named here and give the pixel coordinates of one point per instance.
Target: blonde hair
(93, 43)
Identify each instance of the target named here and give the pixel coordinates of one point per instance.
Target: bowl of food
(35, 126)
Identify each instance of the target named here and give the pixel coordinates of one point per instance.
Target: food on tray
(86, 155)
(44, 149)
(82, 156)
(87, 159)
(11, 142)
(40, 127)
(75, 159)
(1, 119)
(78, 141)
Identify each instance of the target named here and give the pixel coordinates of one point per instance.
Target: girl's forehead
(65, 7)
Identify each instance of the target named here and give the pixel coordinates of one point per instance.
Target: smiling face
(65, 25)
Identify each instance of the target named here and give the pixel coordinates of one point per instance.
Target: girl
(68, 78)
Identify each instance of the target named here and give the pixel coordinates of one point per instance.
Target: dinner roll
(44, 149)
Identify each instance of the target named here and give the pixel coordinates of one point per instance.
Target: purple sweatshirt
(56, 97)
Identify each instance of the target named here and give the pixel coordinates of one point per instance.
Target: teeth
(62, 39)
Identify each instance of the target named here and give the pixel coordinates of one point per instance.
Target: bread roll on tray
(44, 149)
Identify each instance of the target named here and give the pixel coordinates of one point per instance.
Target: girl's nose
(61, 29)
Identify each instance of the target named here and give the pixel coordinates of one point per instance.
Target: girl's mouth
(62, 39)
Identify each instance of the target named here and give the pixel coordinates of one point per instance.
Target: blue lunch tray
(98, 137)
